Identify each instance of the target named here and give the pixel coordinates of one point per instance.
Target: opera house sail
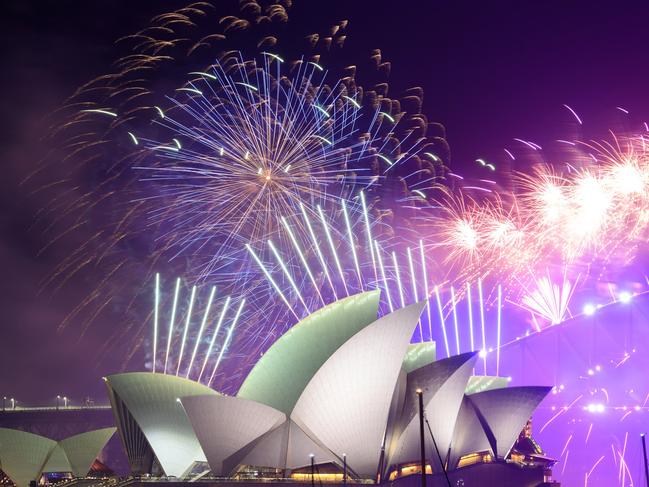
(25, 456)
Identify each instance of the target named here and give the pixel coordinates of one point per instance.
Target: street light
(422, 418)
(344, 468)
(58, 400)
(644, 458)
(420, 397)
(312, 456)
(13, 403)
(4, 403)
(65, 401)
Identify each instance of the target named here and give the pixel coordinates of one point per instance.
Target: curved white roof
(224, 425)
(267, 451)
(301, 446)
(82, 449)
(152, 401)
(22, 455)
(504, 412)
(285, 447)
(345, 406)
(57, 461)
(282, 373)
(468, 436)
(25, 456)
(443, 384)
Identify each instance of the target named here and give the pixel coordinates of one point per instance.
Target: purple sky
(491, 72)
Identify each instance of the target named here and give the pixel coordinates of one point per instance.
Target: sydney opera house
(335, 399)
(337, 393)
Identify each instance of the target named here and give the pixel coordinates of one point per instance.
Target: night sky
(491, 71)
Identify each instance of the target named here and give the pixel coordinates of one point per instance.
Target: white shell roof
(345, 406)
(443, 384)
(504, 412)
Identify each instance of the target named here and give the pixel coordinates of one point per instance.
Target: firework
(216, 122)
(244, 143)
(178, 340)
(549, 300)
(572, 217)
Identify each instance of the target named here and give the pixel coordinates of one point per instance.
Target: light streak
(171, 322)
(322, 110)
(574, 114)
(470, 310)
(385, 280)
(323, 139)
(201, 330)
(155, 319)
(226, 342)
(498, 328)
(316, 246)
(303, 259)
(214, 336)
(274, 56)
(247, 85)
(482, 326)
(626, 470)
(622, 472)
(352, 247)
(413, 281)
(191, 90)
(565, 462)
(352, 101)
(422, 257)
(590, 472)
(100, 111)
(590, 429)
(565, 446)
(561, 411)
(271, 280)
(386, 159)
(206, 75)
(333, 248)
(287, 274)
(165, 147)
(189, 317)
(397, 274)
(369, 235)
(455, 324)
(441, 320)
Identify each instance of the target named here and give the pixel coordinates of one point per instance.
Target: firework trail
(216, 121)
(571, 221)
(249, 143)
(203, 328)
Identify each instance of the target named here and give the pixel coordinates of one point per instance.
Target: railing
(10, 409)
(224, 480)
(125, 482)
